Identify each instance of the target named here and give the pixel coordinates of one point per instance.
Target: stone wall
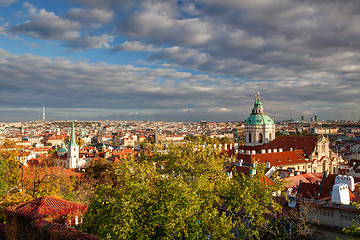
(332, 216)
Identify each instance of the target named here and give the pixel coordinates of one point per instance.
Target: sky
(179, 60)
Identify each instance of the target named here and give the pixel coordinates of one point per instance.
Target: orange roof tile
(275, 159)
(46, 206)
(287, 142)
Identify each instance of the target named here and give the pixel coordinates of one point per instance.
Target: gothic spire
(72, 138)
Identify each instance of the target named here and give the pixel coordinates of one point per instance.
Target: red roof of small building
(46, 206)
(287, 142)
(308, 190)
(275, 159)
(294, 181)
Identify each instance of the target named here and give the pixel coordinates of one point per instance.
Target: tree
(354, 229)
(19, 183)
(99, 171)
(11, 184)
(4, 185)
(80, 141)
(181, 193)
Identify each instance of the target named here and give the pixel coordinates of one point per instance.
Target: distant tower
(303, 118)
(43, 113)
(156, 136)
(259, 127)
(316, 118)
(73, 150)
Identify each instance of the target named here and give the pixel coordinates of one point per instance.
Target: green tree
(4, 185)
(11, 184)
(99, 171)
(161, 198)
(181, 193)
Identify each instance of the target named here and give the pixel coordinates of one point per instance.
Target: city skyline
(178, 60)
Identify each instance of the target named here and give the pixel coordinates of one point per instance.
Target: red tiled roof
(309, 190)
(275, 159)
(286, 143)
(46, 206)
(326, 188)
(239, 169)
(305, 178)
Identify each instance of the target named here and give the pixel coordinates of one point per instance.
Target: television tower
(43, 113)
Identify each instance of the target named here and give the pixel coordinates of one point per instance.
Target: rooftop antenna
(43, 113)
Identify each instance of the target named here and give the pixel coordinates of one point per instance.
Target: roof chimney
(263, 151)
(340, 194)
(275, 150)
(280, 150)
(253, 152)
(269, 150)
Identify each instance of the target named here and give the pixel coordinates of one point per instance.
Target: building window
(260, 138)
(249, 137)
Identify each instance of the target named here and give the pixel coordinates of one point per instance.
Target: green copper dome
(62, 150)
(259, 119)
(257, 116)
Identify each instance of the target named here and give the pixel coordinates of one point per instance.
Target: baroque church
(301, 154)
(259, 127)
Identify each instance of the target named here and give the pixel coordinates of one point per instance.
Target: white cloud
(305, 51)
(28, 80)
(6, 2)
(136, 46)
(91, 16)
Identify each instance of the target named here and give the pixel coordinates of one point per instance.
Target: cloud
(6, 2)
(119, 5)
(262, 39)
(91, 17)
(30, 81)
(135, 46)
(68, 28)
(159, 23)
(83, 42)
(48, 26)
(299, 54)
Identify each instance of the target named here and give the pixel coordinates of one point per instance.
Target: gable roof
(46, 206)
(275, 159)
(294, 181)
(308, 190)
(288, 142)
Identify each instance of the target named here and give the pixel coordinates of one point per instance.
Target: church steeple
(72, 138)
(258, 108)
(73, 150)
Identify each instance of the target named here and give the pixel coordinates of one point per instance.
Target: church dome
(257, 116)
(62, 150)
(259, 119)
